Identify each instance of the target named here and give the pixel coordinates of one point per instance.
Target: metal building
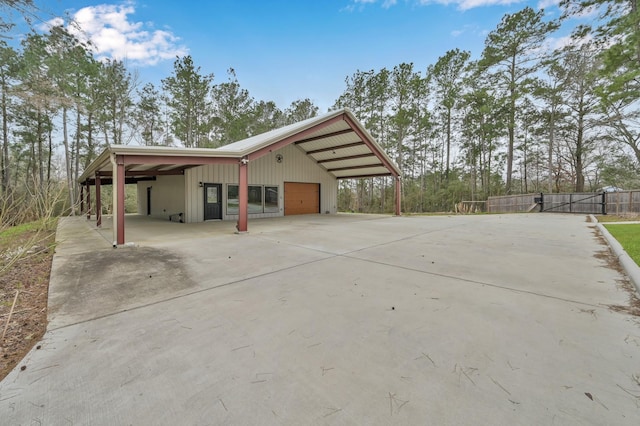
(291, 170)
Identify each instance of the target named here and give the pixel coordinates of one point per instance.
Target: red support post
(398, 196)
(98, 202)
(243, 196)
(120, 198)
(88, 201)
(81, 199)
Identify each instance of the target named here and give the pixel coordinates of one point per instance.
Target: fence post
(604, 203)
(570, 203)
(541, 202)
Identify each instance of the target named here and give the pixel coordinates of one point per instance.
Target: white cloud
(113, 35)
(472, 4)
(456, 33)
(545, 4)
(461, 4)
(559, 43)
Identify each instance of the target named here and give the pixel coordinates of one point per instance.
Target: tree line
(520, 118)
(56, 98)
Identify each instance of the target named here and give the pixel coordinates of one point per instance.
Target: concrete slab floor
(348, 319)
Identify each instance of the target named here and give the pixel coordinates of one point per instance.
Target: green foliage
(187, 97)
(509, 56)
(232, 111)
(300, 110)
(617, 29)
(116, 87)
(266, 116)
(148, 117)
(25, 8)
(628, 235)
(106, 195)
(447, 79)
(618, 170)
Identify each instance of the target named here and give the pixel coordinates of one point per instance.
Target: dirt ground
(27, 277)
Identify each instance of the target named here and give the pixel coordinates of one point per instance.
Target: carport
(333, 146)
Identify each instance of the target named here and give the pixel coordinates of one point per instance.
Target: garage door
(301, 198)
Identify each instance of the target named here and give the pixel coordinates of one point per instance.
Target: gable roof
(336, 141)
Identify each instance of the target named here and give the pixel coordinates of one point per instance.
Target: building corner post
(243, 195)
(81, 199)
(398, 196)
(120, 194)
(88, 201)
(98, 202)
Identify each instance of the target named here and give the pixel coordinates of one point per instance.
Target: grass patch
(629, 237)
(613, 218)
(16, 232)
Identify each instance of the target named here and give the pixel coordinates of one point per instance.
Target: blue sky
(283, 50)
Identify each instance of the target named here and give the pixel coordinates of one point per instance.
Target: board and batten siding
(295, 167)
(167, 196)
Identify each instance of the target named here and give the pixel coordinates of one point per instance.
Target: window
(262, 199)
(271, 199)
(255, 199)
(232, 199)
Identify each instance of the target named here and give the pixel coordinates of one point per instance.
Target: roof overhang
(336, 141)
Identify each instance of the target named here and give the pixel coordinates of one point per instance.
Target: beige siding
(167, 196)
(295, 167)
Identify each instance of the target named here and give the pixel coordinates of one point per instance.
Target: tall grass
(27, 221)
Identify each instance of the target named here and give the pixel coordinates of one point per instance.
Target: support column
(81, 199)
(120, 198)
(398, 196)
(98, 202)
(243, 196)
(88, 201)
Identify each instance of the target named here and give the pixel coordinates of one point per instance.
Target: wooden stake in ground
(15, 299)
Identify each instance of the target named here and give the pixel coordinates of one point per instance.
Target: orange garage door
(301, 198)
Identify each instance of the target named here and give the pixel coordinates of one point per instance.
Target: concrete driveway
(347, 319)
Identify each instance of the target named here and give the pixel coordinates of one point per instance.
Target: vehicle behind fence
(624, 203)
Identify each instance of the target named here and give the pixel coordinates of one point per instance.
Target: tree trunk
(67, 156)
(446, 170)
(552, 142)
(49, 155)
(524, 174)
(76, 154)
(6, 178)
(89, 158)
(578, 154)
(511, 123)
(40, 160)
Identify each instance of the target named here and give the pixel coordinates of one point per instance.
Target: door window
(212, 194)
